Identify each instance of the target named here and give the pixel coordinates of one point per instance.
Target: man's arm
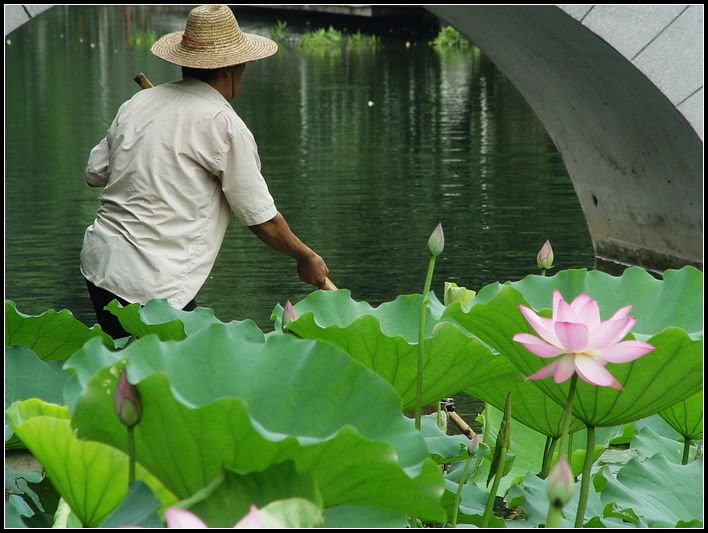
(277, 234)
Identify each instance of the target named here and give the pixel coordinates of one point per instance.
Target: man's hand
(313, 270)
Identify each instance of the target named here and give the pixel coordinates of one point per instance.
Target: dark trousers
(109, 323)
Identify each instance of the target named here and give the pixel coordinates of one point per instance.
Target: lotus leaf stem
(551, 443)
(458, 496)
(131, 455)
(566, 414)
(495, 487)
(421, 341)
(587, 472)
(686, 450)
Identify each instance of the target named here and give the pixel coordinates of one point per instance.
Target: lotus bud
(559, 483)
(288, 314)
(126, 401)
(436, 242)
(544, 259)
(455, 294)
(473, 446)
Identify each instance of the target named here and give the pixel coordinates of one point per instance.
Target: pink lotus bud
(288, 314)
(544, 259)
(559, 483)
(473, 446)
(436, 242)
(126, 401)
(183, 519)
(251, 521)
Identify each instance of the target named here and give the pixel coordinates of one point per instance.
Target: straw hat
(212, 39)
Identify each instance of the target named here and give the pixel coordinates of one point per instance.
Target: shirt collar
(201, 88)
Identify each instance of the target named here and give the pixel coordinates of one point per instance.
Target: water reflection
(446, 139)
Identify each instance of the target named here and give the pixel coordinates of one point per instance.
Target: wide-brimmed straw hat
(212, 39)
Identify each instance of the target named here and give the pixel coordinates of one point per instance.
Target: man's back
(163, 207)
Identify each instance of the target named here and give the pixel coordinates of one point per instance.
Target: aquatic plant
(321, 40)
(142, 39)
(357, 41)
(310, 424)
(279, 32)
(448, 37)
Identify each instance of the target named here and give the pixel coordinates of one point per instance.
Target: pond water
(365, 150)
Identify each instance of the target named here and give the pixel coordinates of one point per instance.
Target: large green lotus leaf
(228, 404)
(290, 513)
(398, 318)
(139, 508)
(93, 356)
(530, 495)
(53, 335)
(84, 363)
(664, 494)
(473, 501)
(160, 318)
(657, 304)
(687, 417)
(442, 447)
(495, 377)
(228, 498)
(90, 476)
(27, 376)
(385, 339)
(527, 446)
(360, 517)
(647, 443)
(668, 375)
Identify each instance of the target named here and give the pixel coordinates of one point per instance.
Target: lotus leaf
(359, 517)
(385, 339)
(647, 443)
(495, 377)
(676, 300)
(472, 503)
(90, 476)
(228, 498)
(246, 405)
(53, 335)
(687, 417)
(27, 376)
(662, 493)
(291, 513)
(139, 508)
(652, 383)
(530, 495)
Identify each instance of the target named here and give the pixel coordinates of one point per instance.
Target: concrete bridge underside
(629, 126)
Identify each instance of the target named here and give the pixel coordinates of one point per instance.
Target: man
(176, 161)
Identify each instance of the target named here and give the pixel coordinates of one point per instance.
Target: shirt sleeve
(97, 166)
(239, 169)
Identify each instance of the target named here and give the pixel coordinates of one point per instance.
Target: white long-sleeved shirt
(175, 162)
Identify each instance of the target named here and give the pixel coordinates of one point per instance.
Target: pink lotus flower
(581, 341)
(182, 519)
